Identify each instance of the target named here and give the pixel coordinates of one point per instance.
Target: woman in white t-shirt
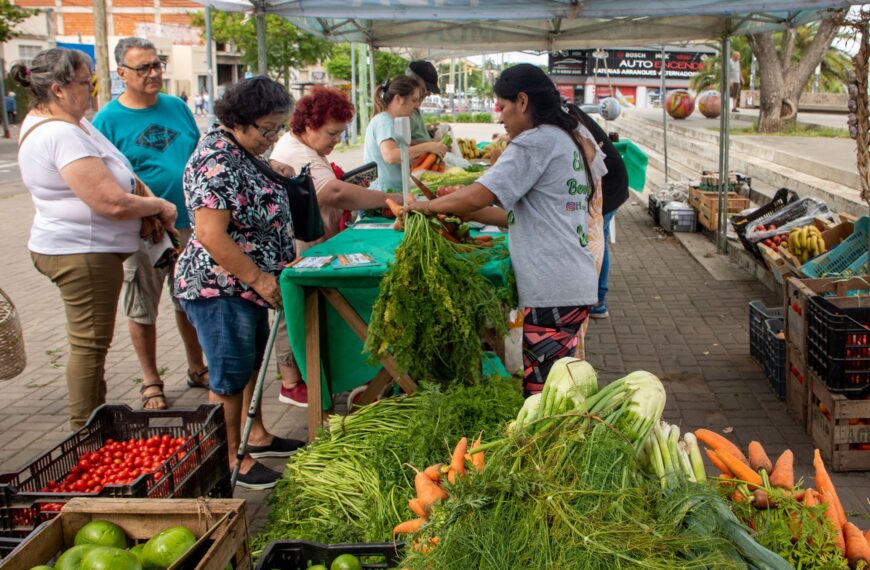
(87, 217)
(318, 121)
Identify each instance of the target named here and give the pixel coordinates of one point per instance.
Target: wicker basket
(13, 359)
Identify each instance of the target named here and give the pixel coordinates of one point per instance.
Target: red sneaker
(295, 396)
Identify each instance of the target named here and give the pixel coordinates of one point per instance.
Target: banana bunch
(469, 149)
(806, 242)
(499, 143)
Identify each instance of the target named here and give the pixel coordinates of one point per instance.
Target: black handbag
(304, 209)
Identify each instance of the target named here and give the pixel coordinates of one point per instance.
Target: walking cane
(255, 399)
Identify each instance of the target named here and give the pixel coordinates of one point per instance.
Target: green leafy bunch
(433, 305)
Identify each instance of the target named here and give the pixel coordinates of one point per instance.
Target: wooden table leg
(375, 388)
(312, 360)
(357, 325)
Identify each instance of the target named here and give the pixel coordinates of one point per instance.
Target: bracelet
(428, 208)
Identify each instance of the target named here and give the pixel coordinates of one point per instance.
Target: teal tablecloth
(636, 162)
(342, 354)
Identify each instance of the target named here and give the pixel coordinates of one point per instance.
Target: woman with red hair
(316, 126)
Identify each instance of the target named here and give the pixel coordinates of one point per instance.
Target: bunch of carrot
(428, 161)
(757, 474)
(429, 485)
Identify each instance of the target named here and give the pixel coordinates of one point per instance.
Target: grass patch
(795, 130)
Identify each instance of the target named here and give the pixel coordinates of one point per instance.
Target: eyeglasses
(145, 70)
(269, 133)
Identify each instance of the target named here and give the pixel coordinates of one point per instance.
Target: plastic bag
(452, 159)
(673, 192)
(795, 215)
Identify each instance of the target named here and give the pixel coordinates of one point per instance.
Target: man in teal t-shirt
(157, 133)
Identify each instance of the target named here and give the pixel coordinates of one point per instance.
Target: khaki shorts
(143, 285)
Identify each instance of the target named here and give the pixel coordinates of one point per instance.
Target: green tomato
(110, 558)
(42, 567)
(72, 558)
(102, 533)
(318, 567)
(346, 562)
(166, 547)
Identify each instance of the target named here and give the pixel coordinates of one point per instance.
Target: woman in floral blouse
(227, 276)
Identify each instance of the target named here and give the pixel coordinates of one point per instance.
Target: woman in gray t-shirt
(550, 206)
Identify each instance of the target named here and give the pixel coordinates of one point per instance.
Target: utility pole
(101, 51)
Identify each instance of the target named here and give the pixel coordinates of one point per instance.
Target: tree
(286, 45)
(387, 64)
(10, 16)
(783, 74)
(835, 64)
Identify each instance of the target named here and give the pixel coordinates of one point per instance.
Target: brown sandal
(146, 399)
(198, 379)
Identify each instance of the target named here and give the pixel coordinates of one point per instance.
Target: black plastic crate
(300, 554)
(774, 355)
(838, 344)
(198, 468)
(758, 313)
(781, 199)
(7, 545)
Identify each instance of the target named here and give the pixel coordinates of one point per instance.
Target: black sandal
(198, 379)
(145, 399)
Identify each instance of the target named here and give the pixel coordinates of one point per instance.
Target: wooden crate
(840, 428)
(141, 519)
(707, 204)
(797, 386)
(776, 263)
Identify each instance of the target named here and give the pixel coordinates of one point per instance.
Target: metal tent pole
(724, 142)
(209, 62)
(372, 85)
(6, 134)
(262, 66)
(664, 112)
(353, 100)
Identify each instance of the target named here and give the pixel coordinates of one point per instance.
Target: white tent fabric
(542, 25)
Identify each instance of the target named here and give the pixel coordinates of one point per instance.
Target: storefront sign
(626, 63)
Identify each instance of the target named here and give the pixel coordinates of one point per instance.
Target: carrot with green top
(740, 470)
(718, 443)
(857, 549)
(825, 485)
(714, 459)
(782, 475)
(758, 458)
(831, 514)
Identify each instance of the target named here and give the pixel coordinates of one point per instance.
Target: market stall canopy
(488, 26)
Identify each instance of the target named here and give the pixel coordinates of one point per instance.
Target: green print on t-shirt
(578, 162)
(576, 187)
(584, 239)
(511, 218)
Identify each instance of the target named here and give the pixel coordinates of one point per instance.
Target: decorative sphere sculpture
(710, 104)
(679, 104)
(609, 108)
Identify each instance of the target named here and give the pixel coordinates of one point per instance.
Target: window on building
(27, 53)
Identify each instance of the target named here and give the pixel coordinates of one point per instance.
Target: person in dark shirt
(615, 186)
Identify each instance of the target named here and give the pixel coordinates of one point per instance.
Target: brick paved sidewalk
(668, 316)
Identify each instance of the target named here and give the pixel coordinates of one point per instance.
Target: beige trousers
(90, 284)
